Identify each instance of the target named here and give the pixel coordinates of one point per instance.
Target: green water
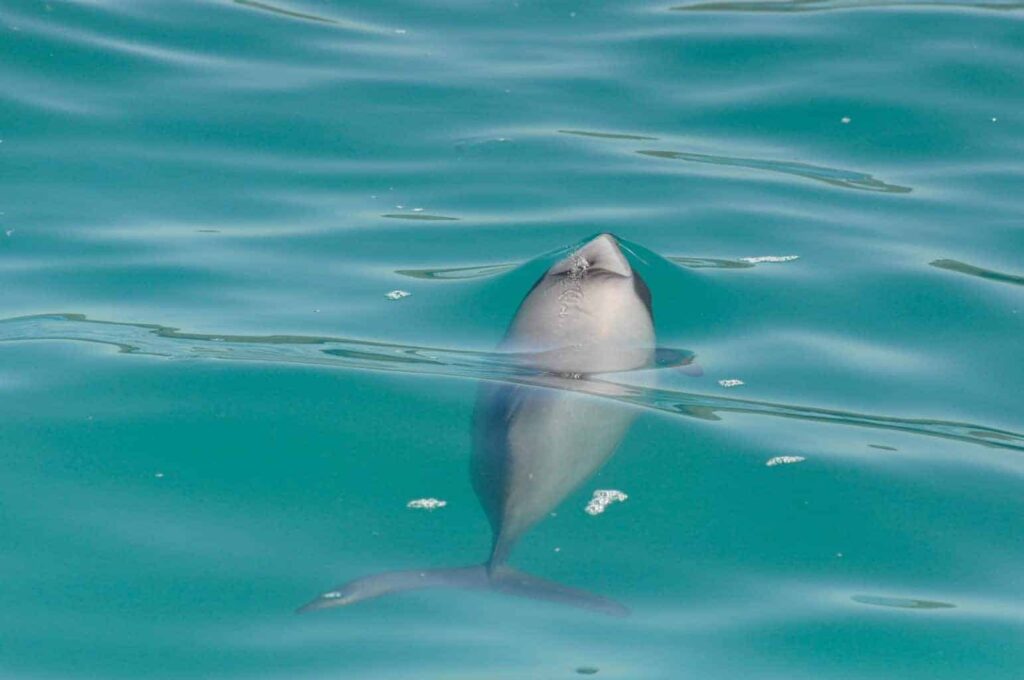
(211, 412)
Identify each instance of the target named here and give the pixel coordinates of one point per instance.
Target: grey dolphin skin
(534, 444)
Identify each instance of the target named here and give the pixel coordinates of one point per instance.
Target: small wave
(307, 16)
(980, 272)
(485, 270)
(606, 135)
(267, 7)
(346, 353)
(420, 216)
(831, 5)
(900, 602)
(761, 259)
(452, 273)
(711, 263)
(846, 179)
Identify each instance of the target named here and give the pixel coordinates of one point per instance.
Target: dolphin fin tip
(312, 606)
(501, 579)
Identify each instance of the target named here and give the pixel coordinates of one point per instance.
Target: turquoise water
(211, 411)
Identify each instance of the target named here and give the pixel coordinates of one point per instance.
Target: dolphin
(535, 443)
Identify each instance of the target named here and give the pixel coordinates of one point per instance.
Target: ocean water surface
(212, 411)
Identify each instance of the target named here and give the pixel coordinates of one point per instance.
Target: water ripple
(711, 263)
(485, 270)
(420, 216)
(345, 353)
(267, 7)
(980, 272)
(900, 602)
(828, 5)
(606, 135)
(451, 273)
(846, 179)
(306, 16)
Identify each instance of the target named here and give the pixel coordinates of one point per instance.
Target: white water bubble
(784, 460)
(769, 258)
(397, 294)
(731, 382)
(426, 504)
(602, 499)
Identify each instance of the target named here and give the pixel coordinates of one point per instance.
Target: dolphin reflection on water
(533, 444)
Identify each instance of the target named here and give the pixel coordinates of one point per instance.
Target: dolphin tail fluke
(513, 582)
(375, 585)
(503, 580)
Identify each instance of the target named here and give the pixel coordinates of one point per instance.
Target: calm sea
(211, 411)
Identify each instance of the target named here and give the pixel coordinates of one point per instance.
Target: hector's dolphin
(534, 443)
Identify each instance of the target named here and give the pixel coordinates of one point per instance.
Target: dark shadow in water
(344, 353)
(845, 179)
(710, 263)
(829, 5)
(485, 270)
(454, 273)
(420, 216)
(266, 7)
(980, 272)
(606, 135)
(900, 602)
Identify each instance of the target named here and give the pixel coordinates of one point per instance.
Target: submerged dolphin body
(532, 445)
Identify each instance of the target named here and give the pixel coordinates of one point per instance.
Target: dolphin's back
(599, 323)
(533, 446)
